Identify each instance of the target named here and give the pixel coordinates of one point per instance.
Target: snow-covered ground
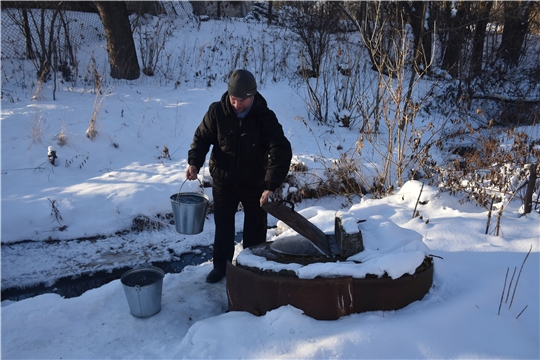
(484, 302)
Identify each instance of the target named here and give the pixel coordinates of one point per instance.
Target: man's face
(240, 104)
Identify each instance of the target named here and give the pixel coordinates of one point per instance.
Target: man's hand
(191, 172)
(265, 195)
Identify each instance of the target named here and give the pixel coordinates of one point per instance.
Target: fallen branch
(504, 287)
(517, 281)
(56, 212)
(39, 167)
(510, 286)
(526, 306)
(510, 99)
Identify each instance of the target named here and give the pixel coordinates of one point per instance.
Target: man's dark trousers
(226, 200)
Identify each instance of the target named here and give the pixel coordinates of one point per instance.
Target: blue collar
(244, 113)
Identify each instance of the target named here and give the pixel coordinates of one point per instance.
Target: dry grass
(94, 124)
(36, 130)
(61, 138)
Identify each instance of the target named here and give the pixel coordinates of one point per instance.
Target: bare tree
(270, 8)
(483, 9)
(402, 150)
(420, 19)
(313, 24)
(120, 44)
(27, 34)
(516, 23)
(454, 36)
(39, 48)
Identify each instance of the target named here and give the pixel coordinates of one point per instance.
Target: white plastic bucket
(143, 290)
(189, 211)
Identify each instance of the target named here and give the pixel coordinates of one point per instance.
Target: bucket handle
(201, 187)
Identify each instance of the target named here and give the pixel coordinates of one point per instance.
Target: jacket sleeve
(279, 153)
(205, 135)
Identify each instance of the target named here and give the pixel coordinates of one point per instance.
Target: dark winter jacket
(248, 151)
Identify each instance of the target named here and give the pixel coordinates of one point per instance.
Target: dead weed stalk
(92, 130)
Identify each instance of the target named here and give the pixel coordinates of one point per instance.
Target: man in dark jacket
(250, 159)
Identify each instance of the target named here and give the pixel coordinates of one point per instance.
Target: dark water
(72, 286)
(191, 199)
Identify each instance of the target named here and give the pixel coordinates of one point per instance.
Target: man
(250, 159)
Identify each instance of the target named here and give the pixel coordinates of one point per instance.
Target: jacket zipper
(238, 152)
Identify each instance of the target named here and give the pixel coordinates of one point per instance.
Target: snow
(98, 186)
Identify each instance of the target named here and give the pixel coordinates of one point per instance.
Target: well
(258, 291)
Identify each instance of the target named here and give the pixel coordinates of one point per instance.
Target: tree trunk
(418, 12)
(27, 35)
(120, 44)
(270, 7)
(456, 37)
(516, 24)
(483, 11)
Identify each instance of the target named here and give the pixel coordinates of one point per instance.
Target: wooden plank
(298, 223)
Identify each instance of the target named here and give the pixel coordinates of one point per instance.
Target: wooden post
(530, 189)
(417, 200)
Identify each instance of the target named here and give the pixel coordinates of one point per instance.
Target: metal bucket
(189, 211)
(143, 290)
